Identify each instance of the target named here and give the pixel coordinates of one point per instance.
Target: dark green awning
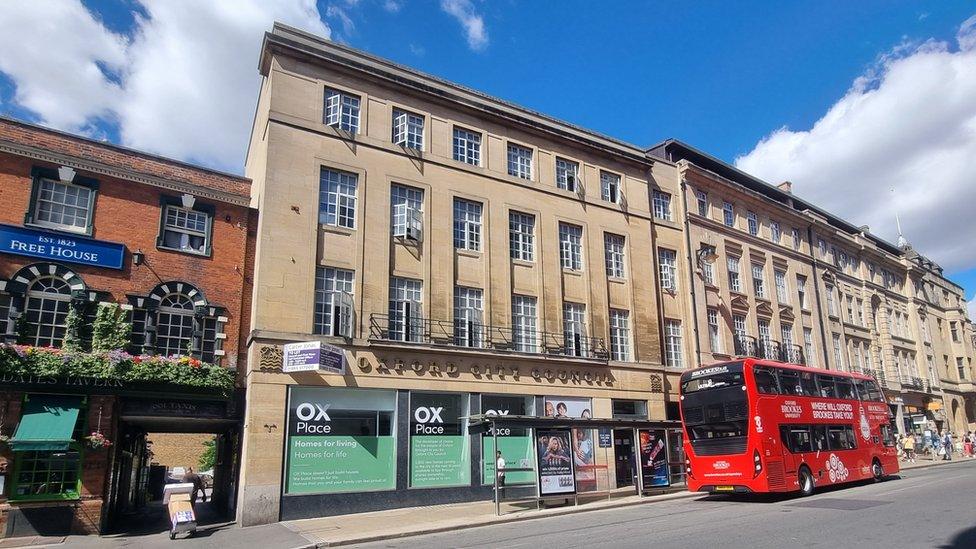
(46, 424)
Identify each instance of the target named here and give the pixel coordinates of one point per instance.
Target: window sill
(616, 280)
(572, 272)
(336, 229)
(185, 252)
(60, 229)
(523, 263)
(468, 253)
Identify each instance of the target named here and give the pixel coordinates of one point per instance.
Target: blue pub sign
(60, 247)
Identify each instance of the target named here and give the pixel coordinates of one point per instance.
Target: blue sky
(746, 81)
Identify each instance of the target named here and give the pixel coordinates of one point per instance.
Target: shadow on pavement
(963, 540)
(778, 497)
(153, 518)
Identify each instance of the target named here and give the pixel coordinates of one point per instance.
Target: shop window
(514, 443)
(50, 474)
(137, 337)
(439, 449)
(629, 408)
(355, 427)
(47, 307)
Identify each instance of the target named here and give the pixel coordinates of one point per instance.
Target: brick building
(114, 258)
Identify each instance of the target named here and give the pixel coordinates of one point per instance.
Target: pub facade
(121, 284)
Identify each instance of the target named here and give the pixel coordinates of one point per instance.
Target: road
(928, 507)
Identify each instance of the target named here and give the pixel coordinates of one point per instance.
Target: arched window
(174, 325)
(48, 303)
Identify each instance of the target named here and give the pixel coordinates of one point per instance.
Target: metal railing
(469, 334)
(768, 349)
(791, 353)
(913, 383)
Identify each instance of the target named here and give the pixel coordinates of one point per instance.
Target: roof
(303, 44)
(87, 154)
(674, 150)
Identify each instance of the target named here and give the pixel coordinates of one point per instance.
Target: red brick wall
(129, 213)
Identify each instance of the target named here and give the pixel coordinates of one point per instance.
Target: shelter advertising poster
(584, 460)
(555, 462)
(653, 458)
(514, 443)
(439, 450)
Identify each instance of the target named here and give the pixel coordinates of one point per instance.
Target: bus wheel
(805, 477)
(877, 470)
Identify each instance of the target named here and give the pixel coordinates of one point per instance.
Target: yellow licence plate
(724, 488)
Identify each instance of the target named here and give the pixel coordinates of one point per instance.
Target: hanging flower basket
(98, 441)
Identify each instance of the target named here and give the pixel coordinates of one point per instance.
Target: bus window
(819, 433)
(851, 438)
(887, 436)
(837, 438)
(827, 388)
(796, 438)
(718, 430)
(844, 388)
(789, 382)
(861, 389)
(873, 392)
(765, 380)
(807, 384)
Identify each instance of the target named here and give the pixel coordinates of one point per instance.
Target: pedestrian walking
(937, 447)
(197, 482)
(909, 447)
(967, 444)
(947, 445)
(500, 471)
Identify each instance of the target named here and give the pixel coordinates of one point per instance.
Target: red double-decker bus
(759, 426)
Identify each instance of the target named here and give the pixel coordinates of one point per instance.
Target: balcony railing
(467, 334)
(768, 350)
(913, 383)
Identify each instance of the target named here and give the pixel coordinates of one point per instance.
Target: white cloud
(188, 78)
(971, 308)
(392, 6)
(908, 124)
(52, 50)
(471, 21)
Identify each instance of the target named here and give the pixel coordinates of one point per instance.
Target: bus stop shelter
(558, 462)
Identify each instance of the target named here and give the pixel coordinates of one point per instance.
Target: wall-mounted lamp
(706, 254)
(138, 257)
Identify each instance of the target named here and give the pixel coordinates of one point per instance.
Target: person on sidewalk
(500, 471)
(909, 446)
(967, 444)
(947, 445)
(198, 487)
(936, 447)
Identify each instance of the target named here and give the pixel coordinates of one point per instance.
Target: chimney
(786, 186)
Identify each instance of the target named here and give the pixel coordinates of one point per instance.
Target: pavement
(929, 504)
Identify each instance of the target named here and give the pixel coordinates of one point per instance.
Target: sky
(868, 107)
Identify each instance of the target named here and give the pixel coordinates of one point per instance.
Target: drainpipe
(692, 265)
(816, 287)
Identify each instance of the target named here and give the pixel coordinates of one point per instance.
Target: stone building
(468, 256)
(121, 299)
(778, 277)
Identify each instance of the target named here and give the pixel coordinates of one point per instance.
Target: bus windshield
(713, 377)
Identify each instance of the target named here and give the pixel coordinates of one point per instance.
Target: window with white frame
(758, 280)
(619, 335)
(610, 187)
(334, 307)
(808, 346)
(574, 329)
(753, 222)
(673, 354)
(571, 246)
(63, 206)
(728, 214)
(406, 212)
(859, 311)
(408, 129)
(337, 198)
(735, 283)
(467, 225)
(185, 230)
(801, 290)
(765, 340)
(614, 255)
(567, 175)
(46, 311)
(838, 354)
(796, 239)
(739, 327)
(822, 248)
(782, 291)
(174, 325)
(519, 161)
(831, 301)
(786, 331)
(702, 199)
(406, 310)
(708, 272)
(521, 235)
(468, 315)
(524, 321)
(714, 335)
(662, 205)
(668, 261)
(341, 110)
(775, 233)
(467, 146)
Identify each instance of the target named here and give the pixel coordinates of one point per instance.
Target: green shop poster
(517, 451)
(439, 449)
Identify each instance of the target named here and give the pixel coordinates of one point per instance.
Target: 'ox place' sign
(60, 247)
